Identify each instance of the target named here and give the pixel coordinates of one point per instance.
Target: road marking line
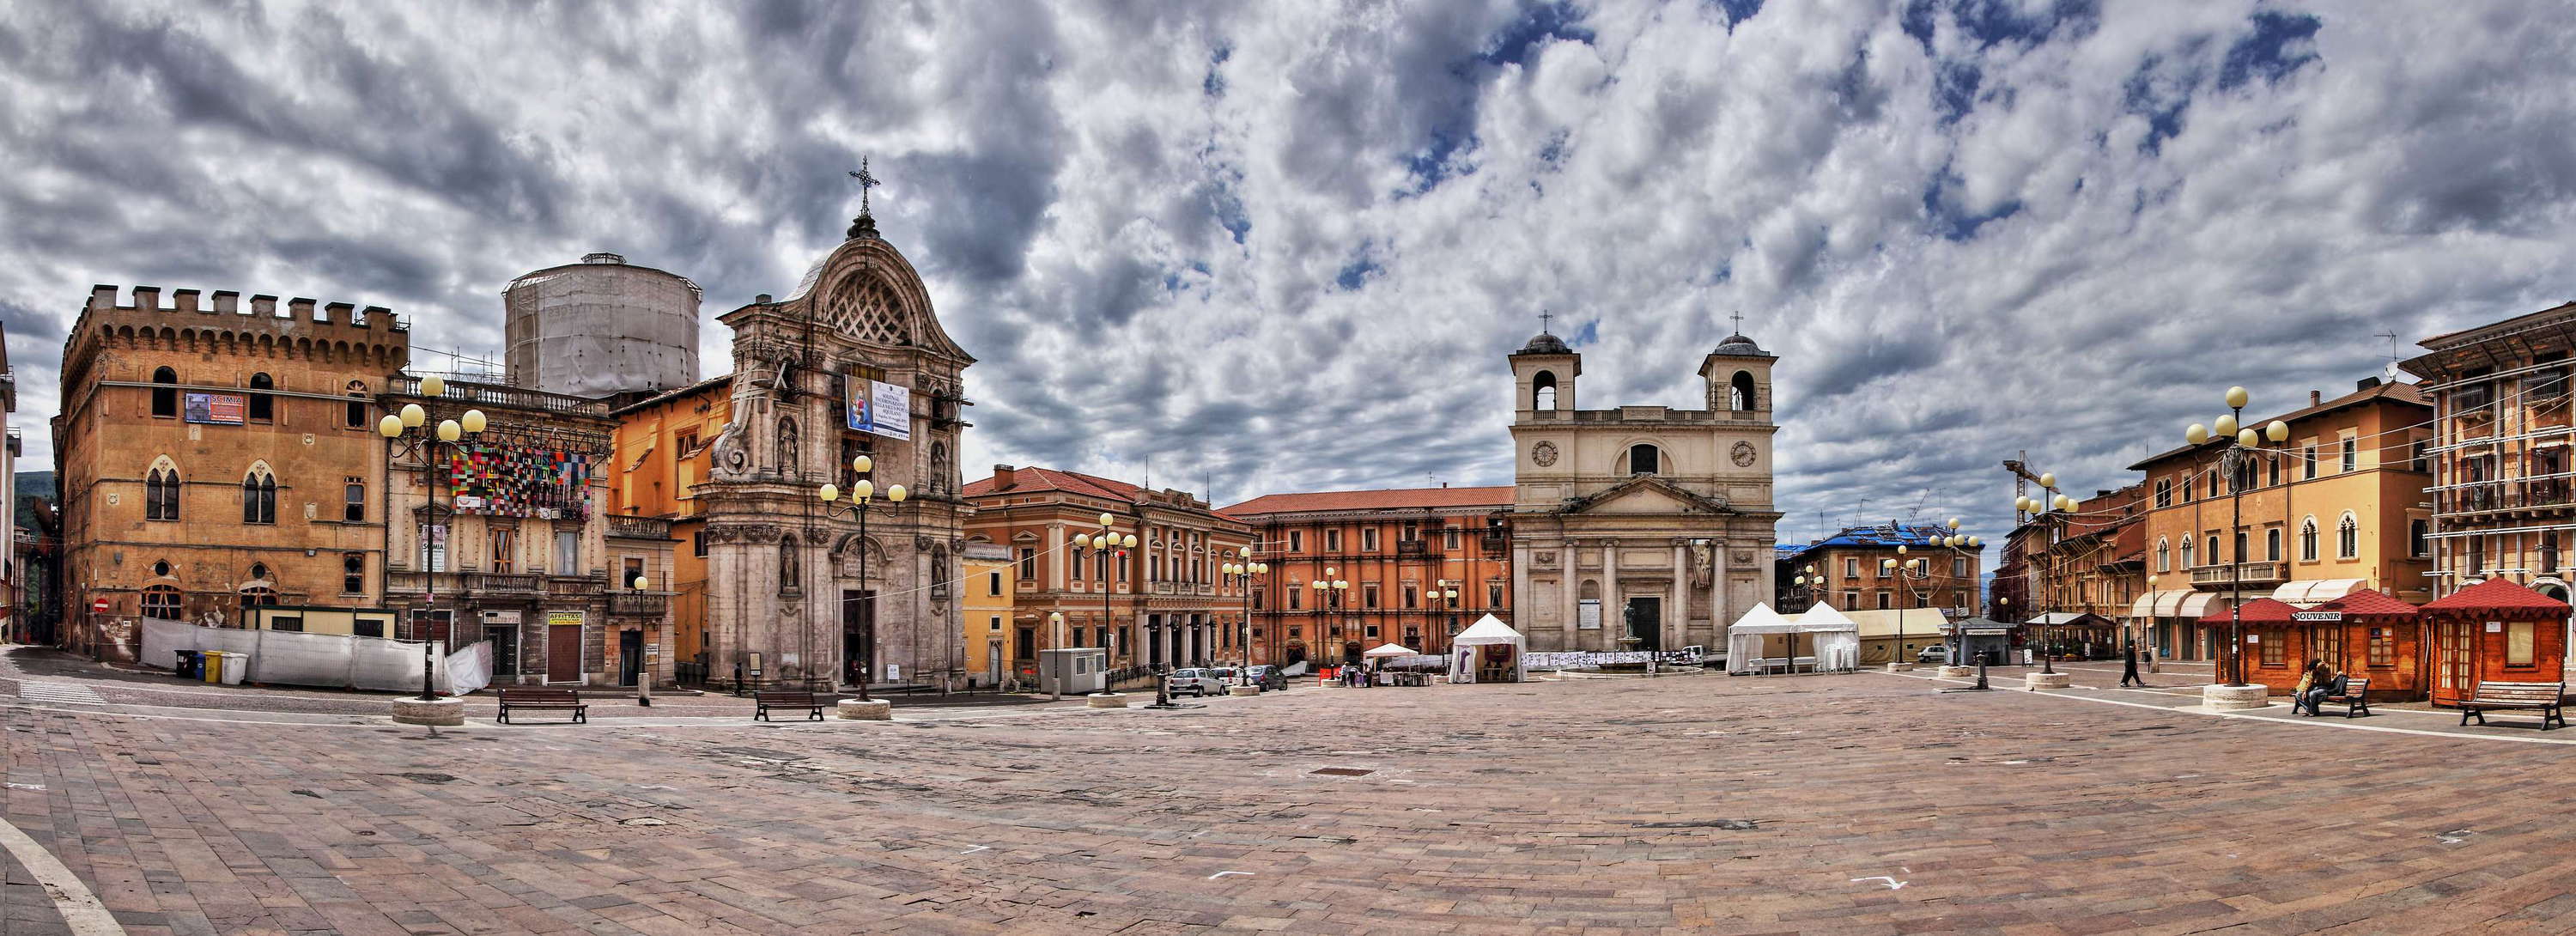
(2342, 723)
(1229, 874)
(1892, 883)
(81, 909)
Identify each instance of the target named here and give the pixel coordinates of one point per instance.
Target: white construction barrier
(289, 658)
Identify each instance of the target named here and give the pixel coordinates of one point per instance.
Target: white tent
(1391, 650)
(1835, 640)
(1466, 649)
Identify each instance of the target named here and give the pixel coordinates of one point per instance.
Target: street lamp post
(1331, 589)
(862, 495)
(1243, 573)
(449, 432)
(1114, 545)
(1055, 639)
(2236, 462)
(644, 680)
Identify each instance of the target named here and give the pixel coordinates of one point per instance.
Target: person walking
(2129, 669)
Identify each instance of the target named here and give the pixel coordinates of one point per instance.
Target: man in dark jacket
(2129, 670)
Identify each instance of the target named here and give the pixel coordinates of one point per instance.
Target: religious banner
(224, 409)
(855, 409)
(890, 410)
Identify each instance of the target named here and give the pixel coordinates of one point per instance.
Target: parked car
(1932, 654)
(1224, 674)
(1269, 678)
(1196, 682)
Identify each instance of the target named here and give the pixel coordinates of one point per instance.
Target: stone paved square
(1865, 803)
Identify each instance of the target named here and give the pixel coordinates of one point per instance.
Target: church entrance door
(1646, 621)
(858, 634)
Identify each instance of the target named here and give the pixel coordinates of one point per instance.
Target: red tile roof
(2257, 611)
(2405, 393)
(1048, 479)
(2498, 596)
(1391, 499)
(2366, 603)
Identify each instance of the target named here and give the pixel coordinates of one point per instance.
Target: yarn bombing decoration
(519, 481)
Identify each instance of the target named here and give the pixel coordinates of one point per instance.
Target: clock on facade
(1543, 453)
(1743, 454)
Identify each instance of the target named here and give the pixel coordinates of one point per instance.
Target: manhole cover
(1343, 772)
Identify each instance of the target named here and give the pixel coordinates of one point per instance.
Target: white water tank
(602, 326)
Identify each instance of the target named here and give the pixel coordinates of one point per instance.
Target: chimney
(2365, 383)
(2316, 397)
(1005, 477)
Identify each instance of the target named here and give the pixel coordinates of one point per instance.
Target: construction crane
(2022, 480)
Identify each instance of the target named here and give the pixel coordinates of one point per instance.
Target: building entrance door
(563, 653)
(2451, 661)
(858, 634)
(630, 656)
(1646, 621)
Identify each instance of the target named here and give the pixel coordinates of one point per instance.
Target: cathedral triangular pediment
(1647, 494)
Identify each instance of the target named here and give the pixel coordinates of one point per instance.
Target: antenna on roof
(2389, 371)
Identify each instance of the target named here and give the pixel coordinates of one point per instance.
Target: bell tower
(1543, 373)
(1738, 378)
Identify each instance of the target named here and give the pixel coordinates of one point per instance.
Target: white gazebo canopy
(1391, 650)
(1486, 632)
(1836, 639)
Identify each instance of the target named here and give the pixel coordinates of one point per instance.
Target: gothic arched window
(2308, 540)
(161, 602)
(259, 496)
(2348, 538)
(161, 494)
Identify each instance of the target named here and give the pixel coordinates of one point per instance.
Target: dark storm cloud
(1286, 246)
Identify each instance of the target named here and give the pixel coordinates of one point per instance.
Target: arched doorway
(1351, 652)
(1293, 654)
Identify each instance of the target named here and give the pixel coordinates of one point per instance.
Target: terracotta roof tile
(1388, 499)
(2257, 611)
(2370, 604)
(2497, 594)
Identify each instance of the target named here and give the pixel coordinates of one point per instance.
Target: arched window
(2308, 540)
(791, 575)
(2272, 544)
(161, 493)
(257, 596)
(1739, 394)
(1642, 459)
(165, 393)
(161, 602)
(2348, 538)
(259, 496)
(787, 446)
(2211, 556)
(263, 406)
(2186, 552)
(1543, 391)
(356, 418)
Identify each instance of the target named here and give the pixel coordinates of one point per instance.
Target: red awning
(2497, 597)
(2373, 605)
(2257, 611)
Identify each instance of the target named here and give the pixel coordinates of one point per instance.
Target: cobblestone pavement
(1864, 803)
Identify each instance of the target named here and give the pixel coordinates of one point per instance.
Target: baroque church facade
(1640, 521)
(803, 592)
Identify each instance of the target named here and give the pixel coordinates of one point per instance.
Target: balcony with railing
(639, 604)
(2252, 573)
(1417, 549)
(2478, 497)
(503, 583)
(629, 527)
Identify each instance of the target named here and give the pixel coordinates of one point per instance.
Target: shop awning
(2181, 602)
(2314, 591)
(2146, 603)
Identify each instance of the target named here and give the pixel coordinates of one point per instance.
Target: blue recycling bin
(192, 664)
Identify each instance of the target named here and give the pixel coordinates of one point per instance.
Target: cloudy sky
(1286, 246)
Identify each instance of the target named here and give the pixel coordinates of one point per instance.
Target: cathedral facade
(799, 591)
(1641, 522)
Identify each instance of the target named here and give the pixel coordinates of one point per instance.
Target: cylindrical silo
(602, 326)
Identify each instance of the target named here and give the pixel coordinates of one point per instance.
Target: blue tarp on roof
(1883, 536)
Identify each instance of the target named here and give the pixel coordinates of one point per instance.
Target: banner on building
(565, 618)
(890, 410)
(223, 409)
(854, 408)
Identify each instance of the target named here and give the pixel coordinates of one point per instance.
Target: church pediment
(1647, 494)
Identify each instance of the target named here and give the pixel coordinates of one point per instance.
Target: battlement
(262, 308)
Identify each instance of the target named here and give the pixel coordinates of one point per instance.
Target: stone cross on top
(1543, 317)
(1739, 321)
(865, 225)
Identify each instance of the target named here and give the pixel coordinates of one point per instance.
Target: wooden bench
(762, 702)
(2355, 698)
(564, 699)
(2541, 696)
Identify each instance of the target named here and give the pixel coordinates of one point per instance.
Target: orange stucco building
(1396, 548)
(661, 443)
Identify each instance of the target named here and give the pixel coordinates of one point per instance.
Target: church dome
(1544, 343)
(1740, 345)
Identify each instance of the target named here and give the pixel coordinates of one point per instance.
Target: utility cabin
(314, 619)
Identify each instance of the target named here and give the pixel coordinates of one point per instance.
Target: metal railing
(2479, 496)
(2254, 572)
(638, 604)
(632, 527)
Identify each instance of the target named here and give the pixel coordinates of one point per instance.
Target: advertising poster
(890, 410)
(223, 409)
(565, 618)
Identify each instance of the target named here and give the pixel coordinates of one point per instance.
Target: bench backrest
(540, 695)
(2355, 687)
(784, 698)
(2520, 691)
